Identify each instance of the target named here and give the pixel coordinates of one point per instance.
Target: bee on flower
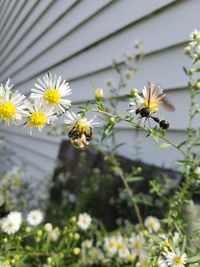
(176, 258)
(52, 90)
(152, 224)
(39, 115)
(148, 104)
(81, 129)
(12, 105)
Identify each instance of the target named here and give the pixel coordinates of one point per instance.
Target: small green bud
(5, 240)
(112, 120)
(49, 260)
(108, 83)
(28, 230)
(76, 251)
(39, 233)
(73, 219)
(198, 85)
(133, 92)
(76, 236)
(187, 50)
(99, 94)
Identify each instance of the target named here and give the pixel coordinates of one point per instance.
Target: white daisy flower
(136, 243)
(162, 262)
(86, 244)
(54, 234)
(176, 259)
(110, 245)
(144, 261)
(53, 91)
(11, 223)
(152, 224)
(39, 115)
(35, 217)
(84, 221)
(12, 105)
(95, 255)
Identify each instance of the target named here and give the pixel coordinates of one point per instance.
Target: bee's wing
(149, 88)
(167, 105)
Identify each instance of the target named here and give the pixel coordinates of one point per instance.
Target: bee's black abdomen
(164, 124)
(144, 112)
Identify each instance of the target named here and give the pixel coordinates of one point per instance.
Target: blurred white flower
(84, 221)
(12, 105)
(95, 255)
(176, 259)
(162, 262)
(35, 217)
(110, 245)
(11, 223)
(53, 91)
(195, 38)
(136, 243)
(152, 224)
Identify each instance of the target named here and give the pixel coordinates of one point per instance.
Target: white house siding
(78, 40)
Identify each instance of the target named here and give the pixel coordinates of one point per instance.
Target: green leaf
(184, 244)
(107, 130)
(164, 145)
(194, 259)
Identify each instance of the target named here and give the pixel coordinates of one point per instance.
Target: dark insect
(80, 139)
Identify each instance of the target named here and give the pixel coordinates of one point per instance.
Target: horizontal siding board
(25, 13)
(154, 25)
(85, 9)
(7, 10)
(51, 15)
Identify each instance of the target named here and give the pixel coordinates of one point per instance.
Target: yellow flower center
(178, 260)
(111, 244)
(52, 96)
(95, 256)
(7, 110)
(131, 258)
(120, 245)
(137, 245)
(37, 119)
(151, 224)
(153, 105)
(166, 244)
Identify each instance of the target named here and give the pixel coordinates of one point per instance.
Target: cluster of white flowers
(12, 222)
(193, 49)
(53, 233)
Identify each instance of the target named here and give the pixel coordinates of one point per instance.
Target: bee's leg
(145, 121)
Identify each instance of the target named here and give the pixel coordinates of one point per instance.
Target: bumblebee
(80, 135)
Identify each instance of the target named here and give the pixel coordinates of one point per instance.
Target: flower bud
(28, 230)
(187, 50)
(48, 227)
(198, 85)
(76, 236)
(39, 233)
(99, 94)
(133, 92)
(73, 219)
(16, 257)
(49, 260)
(112, 120)
(108, 83)
(76, 251)
(5, 240)
(128, 74)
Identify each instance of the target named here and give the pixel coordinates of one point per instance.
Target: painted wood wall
(78, 40)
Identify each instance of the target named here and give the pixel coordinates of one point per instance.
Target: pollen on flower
(178, 260)
(82, 126)
(52, 96)
(7, 110)
(153, 106)
(37, 119)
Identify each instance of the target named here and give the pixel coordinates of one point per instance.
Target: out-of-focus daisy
(144, 261)
(110, 245)
(81, 129)
(95, 255)
(136, 243)
(12, 105)
(162, 262)
(54, 234)
(39, 115)
(84, 221)
(35, 217)
(152, 224)
(11, 223)
(86, 244)
(176, 258)
(53, 91)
